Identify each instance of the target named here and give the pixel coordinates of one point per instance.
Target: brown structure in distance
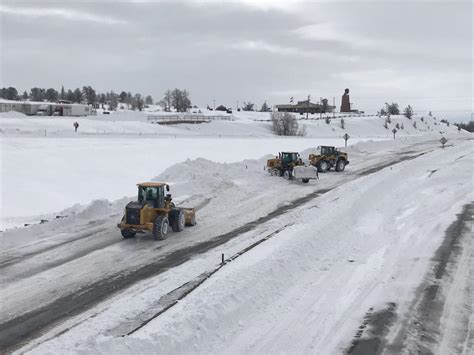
(345, 102)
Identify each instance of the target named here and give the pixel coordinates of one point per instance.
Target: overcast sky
(417, 53)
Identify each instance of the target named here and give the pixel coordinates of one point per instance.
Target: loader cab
(153, 194)
(325, 150)
(288, 157)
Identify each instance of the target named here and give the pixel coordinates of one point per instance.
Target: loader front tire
(177, 219)
(340, 165)
(287, 175)
(127, 233)
(160, 228)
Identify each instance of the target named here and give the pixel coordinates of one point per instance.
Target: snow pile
(12, 114)
(203, 175)
(69, 171)
(43, 226)
(95, 210)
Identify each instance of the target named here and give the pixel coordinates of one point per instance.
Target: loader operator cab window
(289, 157)
(327, 150)
(147, 194)
(152, 195)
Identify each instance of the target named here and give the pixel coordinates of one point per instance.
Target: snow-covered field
(316, 261)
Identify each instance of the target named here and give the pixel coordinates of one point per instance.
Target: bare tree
(284, 124)
(408, 112)
(179, 100)
(248, 106)
(392, 108)
(149, 100)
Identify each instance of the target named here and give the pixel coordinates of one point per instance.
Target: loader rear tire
(340, 165)
(323, 166)
(177, 219)
(127, 233)
(160, 228)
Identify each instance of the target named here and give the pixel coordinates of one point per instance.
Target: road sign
(443, 141)
(394, 131)
(346, 138)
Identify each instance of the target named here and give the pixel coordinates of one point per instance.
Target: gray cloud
(415, 53)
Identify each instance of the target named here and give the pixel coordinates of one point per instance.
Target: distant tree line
(86, 95)
(466, 126)
(394, 109)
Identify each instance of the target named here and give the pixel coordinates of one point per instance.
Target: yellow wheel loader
(154, 212)
(328, 158)
(290, 166)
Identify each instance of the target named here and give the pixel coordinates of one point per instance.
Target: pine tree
(70, 96)
(51, 95)
(265, 107)
(37, 94)
(77, 96)
(408, 112)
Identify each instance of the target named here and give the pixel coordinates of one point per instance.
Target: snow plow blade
(189, 216)
(305, 172)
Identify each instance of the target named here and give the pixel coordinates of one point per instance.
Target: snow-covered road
(343, 251)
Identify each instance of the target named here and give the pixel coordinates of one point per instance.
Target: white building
(32, 108)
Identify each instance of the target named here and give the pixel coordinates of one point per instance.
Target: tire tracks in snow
(15, 259)
(422, 330)
(17, 331)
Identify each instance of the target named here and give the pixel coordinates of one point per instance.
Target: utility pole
(320, 108)
(333, 107)
(214, 106)
(307, 104)
(237, 108)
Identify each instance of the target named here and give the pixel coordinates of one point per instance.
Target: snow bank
(45, 226)
(12, 114)
(61, 172)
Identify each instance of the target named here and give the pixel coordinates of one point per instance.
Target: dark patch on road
(17, 331)
(370, 337)
(432, 172)
(421, 329)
